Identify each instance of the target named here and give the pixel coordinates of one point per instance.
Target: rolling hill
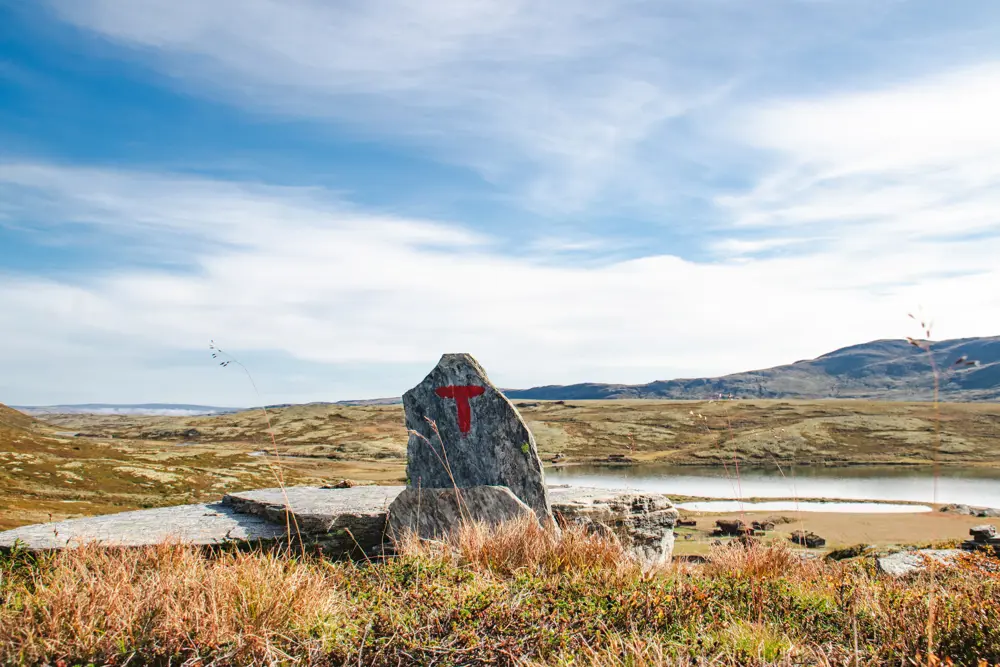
(881, 369)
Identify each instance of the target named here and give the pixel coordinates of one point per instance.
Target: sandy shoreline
(840, 529)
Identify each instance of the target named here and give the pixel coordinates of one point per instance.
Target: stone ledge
(202, 525)
(341, 521)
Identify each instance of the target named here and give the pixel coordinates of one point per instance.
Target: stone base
(433, 513)
(643, 521)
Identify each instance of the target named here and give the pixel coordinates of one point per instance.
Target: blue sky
(339, 192)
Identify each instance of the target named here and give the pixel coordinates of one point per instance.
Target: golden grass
(165, 600)
(513, 595)
(523, 544)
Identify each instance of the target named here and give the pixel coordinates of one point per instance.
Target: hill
(883, 369)
(12, 420)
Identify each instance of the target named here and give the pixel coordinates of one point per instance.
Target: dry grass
(511, 596)
(524, 545)
(169, 601)
(759, 561)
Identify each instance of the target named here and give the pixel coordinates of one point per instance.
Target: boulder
(644, 522)
(957, 508)
(907, 562)
(465, 433)
(982, 512)
(808, 539)
(731, 527)
(983, 532)
(434, 513)
(343, 522)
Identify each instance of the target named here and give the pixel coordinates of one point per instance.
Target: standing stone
(481, 438)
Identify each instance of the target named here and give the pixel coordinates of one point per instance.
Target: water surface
(801, 506)
(971, 486)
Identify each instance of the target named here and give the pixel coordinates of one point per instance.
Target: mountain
(157, 409)
(881, 369)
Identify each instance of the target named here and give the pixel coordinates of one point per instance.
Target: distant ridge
(889, 370)
(157, 409)
(879, 370)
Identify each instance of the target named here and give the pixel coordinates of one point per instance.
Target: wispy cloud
(301, 274)
(920, 159)
(571, 104)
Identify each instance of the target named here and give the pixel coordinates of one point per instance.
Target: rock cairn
(984, 537)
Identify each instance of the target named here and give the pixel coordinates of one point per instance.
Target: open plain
(78, 465)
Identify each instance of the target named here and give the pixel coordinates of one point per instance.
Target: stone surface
(342, 521)
(434, 513)
(982, 512)
(808, 539)
(731, 527)
(643, 521)
(983, 532)
(485, 442)
(203, 524)
(984, 538)
(906, 562)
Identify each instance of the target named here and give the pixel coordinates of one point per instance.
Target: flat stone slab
(341, 521)
(203, 524)
(316, 509)
(906, 562)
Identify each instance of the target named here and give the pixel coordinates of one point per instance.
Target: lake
(971, 486)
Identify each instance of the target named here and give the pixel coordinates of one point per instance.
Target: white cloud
(918, 159)
(301, 274)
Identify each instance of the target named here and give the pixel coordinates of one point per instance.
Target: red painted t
(461, 394)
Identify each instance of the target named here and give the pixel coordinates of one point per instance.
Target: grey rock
(731, 527)
(983, 532)
(643, 521)
(807, 539)
(982, 512)
(348, 521)
(906, 562)
(484, 440)
(434, 513)
(202, 524)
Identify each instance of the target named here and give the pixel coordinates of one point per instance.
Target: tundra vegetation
(123, 462)
(511, 595)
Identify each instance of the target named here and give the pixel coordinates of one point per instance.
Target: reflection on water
(972, 486)
(791, 506)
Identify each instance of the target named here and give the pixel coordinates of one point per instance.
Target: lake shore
(839, 529)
